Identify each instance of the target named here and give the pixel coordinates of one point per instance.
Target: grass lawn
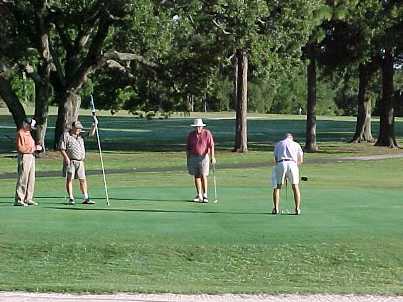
(349, 238)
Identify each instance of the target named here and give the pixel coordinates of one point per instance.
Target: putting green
(152, 238)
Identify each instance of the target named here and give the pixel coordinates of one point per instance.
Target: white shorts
(285, 169)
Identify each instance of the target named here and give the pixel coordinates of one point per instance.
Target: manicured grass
(152, 239)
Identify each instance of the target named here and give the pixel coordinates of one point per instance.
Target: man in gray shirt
(72, 148)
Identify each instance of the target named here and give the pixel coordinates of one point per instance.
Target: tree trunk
(42, 88)
(41, 76)
(12, 101)
(41, 110)
(310, 140)
(241, 134)
(69, 106)
(235, 97)
(386, 129)
(363, 127)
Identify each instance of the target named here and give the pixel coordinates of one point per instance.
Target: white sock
(85, 195)
(205, 195)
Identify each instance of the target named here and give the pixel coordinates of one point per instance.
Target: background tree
(264, 35)
(388, 39)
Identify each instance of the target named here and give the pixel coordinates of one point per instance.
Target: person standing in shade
(288, 155)
(72, 148)
(26, 149)
(199, 154)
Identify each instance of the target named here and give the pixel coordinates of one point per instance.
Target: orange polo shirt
(25, 142)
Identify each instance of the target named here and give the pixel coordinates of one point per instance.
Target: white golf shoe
(198, 199)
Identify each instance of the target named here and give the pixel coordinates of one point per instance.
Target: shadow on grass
(129, 134)
(158, 211)
(143, 199)
(114, 198)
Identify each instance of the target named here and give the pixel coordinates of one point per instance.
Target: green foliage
(221, 95)
(192, 43)
(24, 88)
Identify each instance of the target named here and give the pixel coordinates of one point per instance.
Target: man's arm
(62, 149)
(94, 126)
(300, 158)
(212, 154)
(92, 130)
(66, 158)
(212, 149)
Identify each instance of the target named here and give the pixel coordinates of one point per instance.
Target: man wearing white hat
(199, 153)
(26, 147)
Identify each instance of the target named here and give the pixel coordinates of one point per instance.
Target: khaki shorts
(76, 169)
(198, 165)
(285, 169)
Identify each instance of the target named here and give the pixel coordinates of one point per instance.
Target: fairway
(151, 238)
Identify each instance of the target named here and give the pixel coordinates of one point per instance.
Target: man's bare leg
(69, 186)
(198, 185)
(297, 198)
(276, 199)
(84, 188)
(204, 184)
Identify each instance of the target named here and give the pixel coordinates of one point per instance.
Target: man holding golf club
(72, 148)
(26, 149)
(199, 154)
(288, 156)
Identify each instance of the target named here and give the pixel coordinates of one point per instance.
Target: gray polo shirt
(73, 145)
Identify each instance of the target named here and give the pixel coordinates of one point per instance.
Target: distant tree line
(315, 56)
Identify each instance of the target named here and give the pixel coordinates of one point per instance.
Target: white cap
(31, 122)
(198, 122)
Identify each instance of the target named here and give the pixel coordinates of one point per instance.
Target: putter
(215, 185)
(100, 150)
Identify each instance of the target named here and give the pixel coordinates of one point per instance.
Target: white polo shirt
(287, 149)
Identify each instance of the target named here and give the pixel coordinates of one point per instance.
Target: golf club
(215, 185)
(100, 150)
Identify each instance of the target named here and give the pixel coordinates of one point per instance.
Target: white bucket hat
(198, 122)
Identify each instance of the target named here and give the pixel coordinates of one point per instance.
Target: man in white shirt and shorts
(288, 155)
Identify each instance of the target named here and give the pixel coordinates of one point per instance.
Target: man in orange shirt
(26, 148)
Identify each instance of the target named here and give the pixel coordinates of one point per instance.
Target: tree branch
(121, 56)
(111, 64)
(11, 100)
